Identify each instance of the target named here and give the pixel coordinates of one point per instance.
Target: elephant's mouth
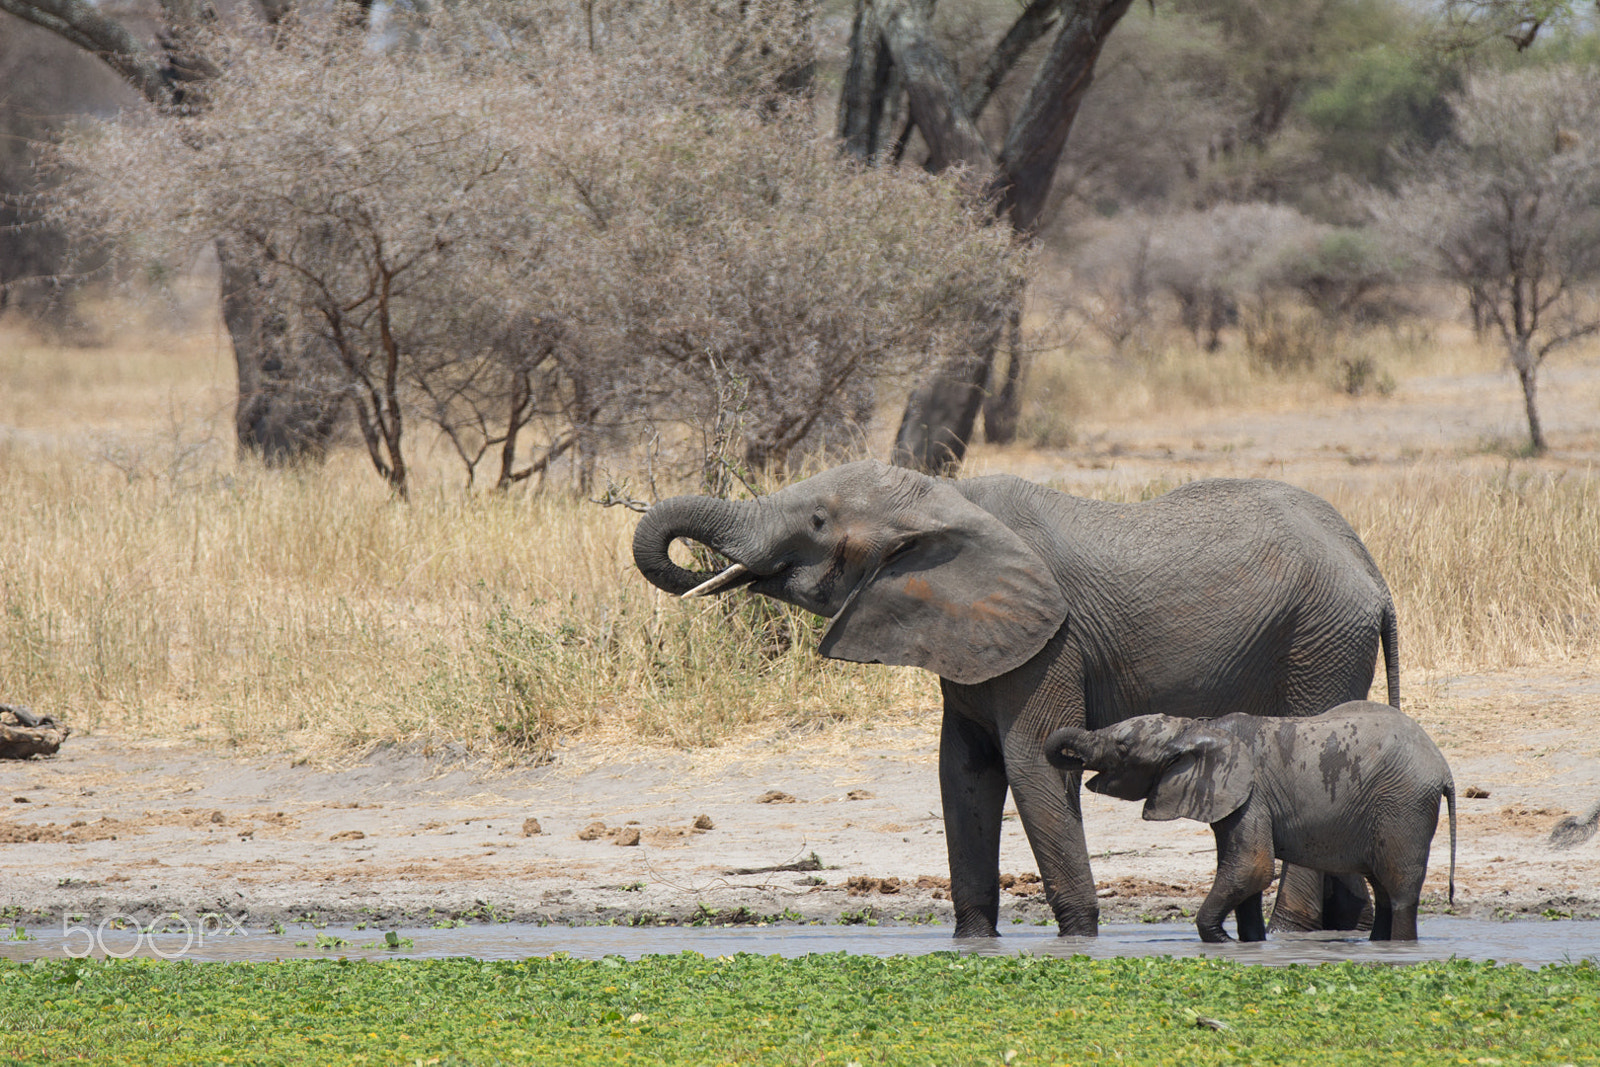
(732, 577)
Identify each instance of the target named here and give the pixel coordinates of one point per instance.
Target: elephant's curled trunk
(718, 524)
(1073, 749)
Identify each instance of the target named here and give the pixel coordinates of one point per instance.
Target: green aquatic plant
(828, 1009)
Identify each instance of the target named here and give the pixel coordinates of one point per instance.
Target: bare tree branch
(937, 102)
(1033, 146)
(1037, 19)
(81, 23)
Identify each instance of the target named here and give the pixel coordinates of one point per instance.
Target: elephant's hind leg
(1382, 912)
(1399, 885)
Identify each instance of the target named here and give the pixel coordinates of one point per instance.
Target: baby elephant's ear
(1209, 781)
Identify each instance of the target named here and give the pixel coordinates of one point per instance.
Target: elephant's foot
(1079, 924)
(1247, 916)
(1213, 935)
(978, 922)
(976, 929)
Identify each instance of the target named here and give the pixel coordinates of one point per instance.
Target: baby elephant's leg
(1252, 925)
(1399, 885)
(1244, 869)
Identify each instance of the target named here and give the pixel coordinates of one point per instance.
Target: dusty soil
(823, 826)
(818, 827)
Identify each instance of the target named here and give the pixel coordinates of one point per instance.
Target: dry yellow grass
(147, 583)
(1083, 379)
(1489, 572)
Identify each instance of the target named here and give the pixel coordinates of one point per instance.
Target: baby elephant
(1354, 790)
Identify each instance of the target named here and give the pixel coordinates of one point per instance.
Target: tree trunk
(941, 412)
(1002, 408)
(1033, 147)
(871, 90)
(281, 417)
(1527, 372)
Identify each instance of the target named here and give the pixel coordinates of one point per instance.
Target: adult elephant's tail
(1390, 636)
(1450, 802)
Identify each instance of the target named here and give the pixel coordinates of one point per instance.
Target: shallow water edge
(1531, 943)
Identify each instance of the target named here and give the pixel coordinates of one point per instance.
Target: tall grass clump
(312, 609)
(1488, 572)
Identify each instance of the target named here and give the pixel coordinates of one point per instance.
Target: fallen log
(24, 734)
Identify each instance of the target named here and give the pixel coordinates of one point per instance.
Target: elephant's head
(910, 571)
(1180, 768)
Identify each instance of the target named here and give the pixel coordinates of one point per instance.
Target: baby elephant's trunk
(1072, 749)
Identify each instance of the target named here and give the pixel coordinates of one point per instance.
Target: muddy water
(1532, 943)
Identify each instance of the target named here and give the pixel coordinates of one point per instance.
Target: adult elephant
(1040, 610)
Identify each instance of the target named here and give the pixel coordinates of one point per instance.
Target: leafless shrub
(1207, 261)
(1510, 211)
(1112, 285)
(531, 229)
(1231, 265)
(44, 84)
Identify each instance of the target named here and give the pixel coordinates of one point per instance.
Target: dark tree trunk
(871, 90)
(941, 412)
(1002, 407)
(1038, 135)
(1527, 373)
(892, 36)
(281, 416)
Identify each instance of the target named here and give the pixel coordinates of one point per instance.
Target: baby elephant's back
(1358, 774)
(1379, 741)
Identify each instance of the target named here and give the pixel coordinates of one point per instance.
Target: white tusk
(721, 581)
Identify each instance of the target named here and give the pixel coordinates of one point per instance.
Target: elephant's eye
(819, 519)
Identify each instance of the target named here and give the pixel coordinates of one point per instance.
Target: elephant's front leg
(972, 784)
(1048, 804)
(1244, 869)
(1248, 918)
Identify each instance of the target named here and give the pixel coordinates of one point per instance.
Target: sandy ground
(114, 824)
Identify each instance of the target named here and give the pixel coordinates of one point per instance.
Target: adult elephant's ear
(959, 594)
(1210, 781)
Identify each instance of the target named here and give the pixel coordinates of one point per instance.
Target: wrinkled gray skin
(1040, 610)
(1352, 791)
